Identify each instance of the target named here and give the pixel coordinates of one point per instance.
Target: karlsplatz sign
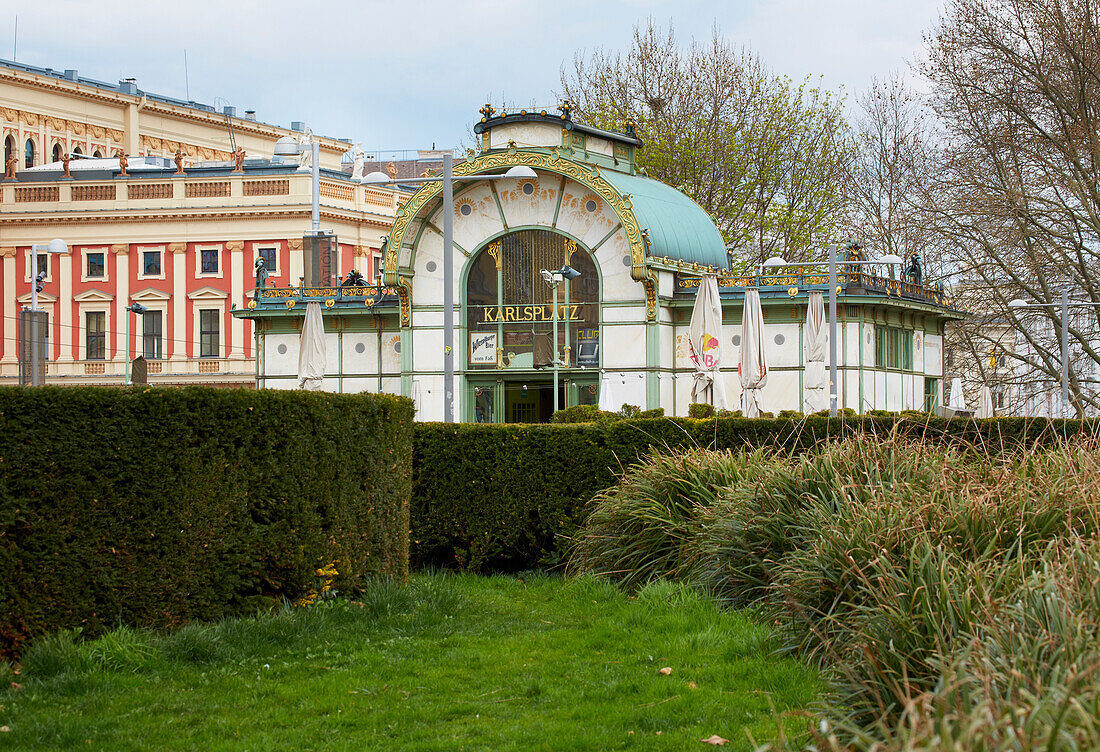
(505, 314)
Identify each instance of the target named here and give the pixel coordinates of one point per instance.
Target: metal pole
(314, 159)
(36, 356)
(554, 289)
(1065, 353)
(832, 332)
(126, 313)
(448, 292)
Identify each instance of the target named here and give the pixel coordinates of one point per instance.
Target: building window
(152, 333)
(271, 259)
(95, 343)
(150, 263)
(95, 265)
(44, 264)
(210, 333)
(28, 154)
(57, 152)
(893, 348)
(208, 261)
(9, 148)
(931, 394)
(96, 154)
(78, 150)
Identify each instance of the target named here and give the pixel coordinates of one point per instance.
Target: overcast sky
(407, 75)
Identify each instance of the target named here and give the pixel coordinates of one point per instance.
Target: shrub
(503, 497)
(951, 590)
(155, 506)
(700, 410)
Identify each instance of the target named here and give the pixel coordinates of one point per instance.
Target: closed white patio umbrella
(607, 396)
(814, 378)
(957, 401)
(705, 340)
(985, 404)
(753, 367)
(312, 357)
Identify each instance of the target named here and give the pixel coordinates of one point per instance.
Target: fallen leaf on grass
(716, 740)
(4, 729)
(665, 671)
(691, 685)
(16, 686)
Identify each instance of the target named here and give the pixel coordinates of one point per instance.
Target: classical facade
(45, 113)
(640, 247)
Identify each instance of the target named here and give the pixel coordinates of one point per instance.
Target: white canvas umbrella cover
(957, 400)
(753, 368)
(705, 342)
(607, 398)
(814, 377)
(312, 357)
(985, 404)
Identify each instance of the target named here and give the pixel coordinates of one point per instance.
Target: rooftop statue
(357, 156)
(261, 273)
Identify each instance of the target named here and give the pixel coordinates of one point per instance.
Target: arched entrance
(509, 313)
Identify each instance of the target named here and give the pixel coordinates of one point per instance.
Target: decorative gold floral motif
(570, 249)
(650, 285)
(494, 251)
(501, 161)
(403, 300)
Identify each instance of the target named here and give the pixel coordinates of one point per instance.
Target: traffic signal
(40, 282)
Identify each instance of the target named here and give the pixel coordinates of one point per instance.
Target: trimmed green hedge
(492, 497)
(154, 506)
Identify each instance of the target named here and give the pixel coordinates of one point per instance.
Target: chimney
(128, 86)
(229, 111)
(70, 74)
(249, 114)
(297, 126)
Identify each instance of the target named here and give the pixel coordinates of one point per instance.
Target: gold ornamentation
(290, 303)
(503, 160)
(403, 300)
(792, 291)
(494, 251)
(251, 304)
(330, 303)
(650, 285)
(570, 249)
(500, 357)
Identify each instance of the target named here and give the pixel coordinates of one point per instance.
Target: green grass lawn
(444, 663)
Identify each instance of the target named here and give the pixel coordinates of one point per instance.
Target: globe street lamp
(554, 278)
(1065, 303)
(449, 179)
(778, 261)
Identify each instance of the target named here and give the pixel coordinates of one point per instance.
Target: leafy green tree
(766, 157)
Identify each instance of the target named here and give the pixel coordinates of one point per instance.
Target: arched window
(96, 154)
(77, 150)
(9, 147)
(57, 152)
(28, 154)
(513, 305)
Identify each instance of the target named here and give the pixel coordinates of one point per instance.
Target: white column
(180, 347)
(10, 345)
(65, 306)
(122, 300)
(236, 293)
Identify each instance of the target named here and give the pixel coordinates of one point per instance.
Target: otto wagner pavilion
(640, 247)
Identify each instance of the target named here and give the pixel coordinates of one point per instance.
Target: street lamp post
(554, 278)
(140, 310)
(448, 178)
(57, 245)
(778, 261)
(1064, 304)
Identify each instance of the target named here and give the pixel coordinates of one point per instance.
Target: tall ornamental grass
(952, 593)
